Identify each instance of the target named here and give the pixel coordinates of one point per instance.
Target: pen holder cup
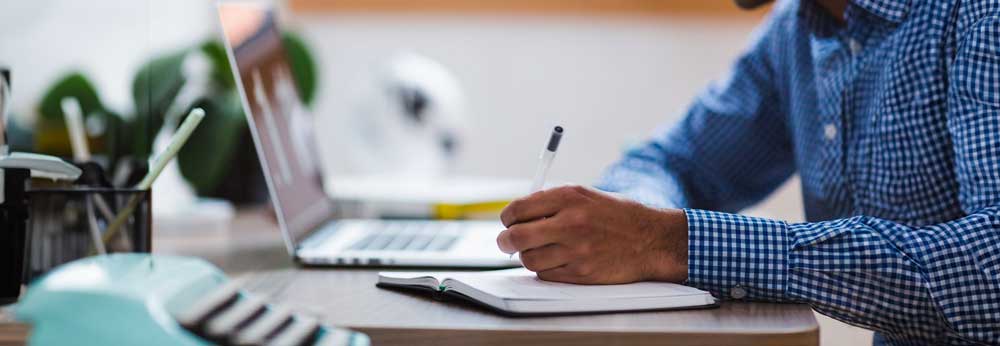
(68, 224)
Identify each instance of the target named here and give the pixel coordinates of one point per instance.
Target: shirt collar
(822, 23)
(892, 10)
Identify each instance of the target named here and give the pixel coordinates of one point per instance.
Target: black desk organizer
(44, 227)
(58, 228)
(14, 219)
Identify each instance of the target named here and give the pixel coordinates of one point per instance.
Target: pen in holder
(71, 221)
(67, 223)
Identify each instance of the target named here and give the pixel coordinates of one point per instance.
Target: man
(889, 110)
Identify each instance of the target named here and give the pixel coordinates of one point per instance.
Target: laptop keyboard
(409, 236)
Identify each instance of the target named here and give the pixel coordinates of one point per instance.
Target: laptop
(283, 135)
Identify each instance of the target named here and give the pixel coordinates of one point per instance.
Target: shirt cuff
(737, 257)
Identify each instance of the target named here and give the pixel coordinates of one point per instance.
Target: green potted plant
(219, 160)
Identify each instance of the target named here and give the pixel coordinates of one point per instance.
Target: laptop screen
(279, 122)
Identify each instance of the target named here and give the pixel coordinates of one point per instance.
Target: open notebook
(520, 292)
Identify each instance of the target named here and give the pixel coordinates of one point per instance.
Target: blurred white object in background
(407, 119)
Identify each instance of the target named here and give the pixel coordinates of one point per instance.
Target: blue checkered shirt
(892, 120)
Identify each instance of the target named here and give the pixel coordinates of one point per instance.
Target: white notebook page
(523, 284)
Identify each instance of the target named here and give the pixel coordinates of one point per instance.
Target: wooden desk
(347, 297)
(11, 332)
(254, 253)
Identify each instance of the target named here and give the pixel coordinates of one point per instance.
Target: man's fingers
(540, 204)
(529, 235)
(559, 274)
(546, 257)
(576, 272)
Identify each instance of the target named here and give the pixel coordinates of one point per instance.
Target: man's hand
(580, 235)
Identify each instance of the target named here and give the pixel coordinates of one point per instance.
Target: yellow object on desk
(444, 211)
(441, 198)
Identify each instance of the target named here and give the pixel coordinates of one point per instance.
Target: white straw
(73, 115)
(176, 143)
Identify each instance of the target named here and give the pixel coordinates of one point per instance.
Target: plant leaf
(153, 90)
(303, 66)
(51, 136)
(222, 74)
(205, 159)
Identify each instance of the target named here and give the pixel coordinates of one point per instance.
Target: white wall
(609, 81)
(42, 40)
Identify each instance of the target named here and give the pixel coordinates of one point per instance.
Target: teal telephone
(138, 299)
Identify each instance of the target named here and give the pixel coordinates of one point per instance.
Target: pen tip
(557, 134)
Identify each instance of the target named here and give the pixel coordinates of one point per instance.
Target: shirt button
(830, 132)
(855, 46)
(738, 292)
